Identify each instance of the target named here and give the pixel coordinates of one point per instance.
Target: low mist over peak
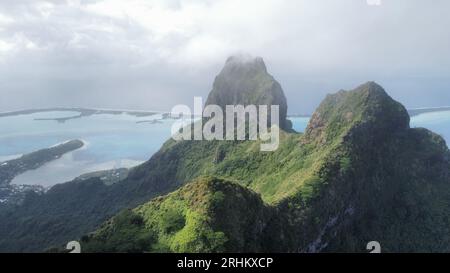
(245, 59)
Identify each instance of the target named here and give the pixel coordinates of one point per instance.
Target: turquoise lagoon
(113, 140)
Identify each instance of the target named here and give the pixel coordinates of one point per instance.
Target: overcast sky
(154, 54)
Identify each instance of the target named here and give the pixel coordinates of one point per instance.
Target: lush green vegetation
(195, 218)
(358, 174)
(124, 233)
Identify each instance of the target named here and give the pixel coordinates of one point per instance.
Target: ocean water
(438, 122)
(112, 141)
(299, 123)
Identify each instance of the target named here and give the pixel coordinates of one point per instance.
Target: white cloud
(5, 46)
(95, 48)
(5, 20)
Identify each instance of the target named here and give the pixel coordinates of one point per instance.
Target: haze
(155, 54)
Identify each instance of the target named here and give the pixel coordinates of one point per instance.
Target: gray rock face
(245, 81)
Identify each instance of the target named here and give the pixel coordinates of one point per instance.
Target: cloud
(154, 54)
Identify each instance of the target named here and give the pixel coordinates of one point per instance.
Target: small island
(12, 168)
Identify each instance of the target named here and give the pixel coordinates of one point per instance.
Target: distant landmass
(12, 168)
(85, 112)
(108, 177)
(13, 194)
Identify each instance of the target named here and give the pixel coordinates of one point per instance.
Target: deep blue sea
(112, 141)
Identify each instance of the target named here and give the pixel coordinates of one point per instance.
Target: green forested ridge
(358, 174)
(186, 220)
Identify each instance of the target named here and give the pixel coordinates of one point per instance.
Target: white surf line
(85, 143)
(61, 143)
(431, 108)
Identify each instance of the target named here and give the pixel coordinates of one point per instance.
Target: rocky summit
(245, 81)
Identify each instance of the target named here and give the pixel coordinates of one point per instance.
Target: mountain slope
(164, 172)
(186, 220)
(358, 174)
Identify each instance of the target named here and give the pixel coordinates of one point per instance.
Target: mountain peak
(374, 90)
(367, 104)
(244, 80)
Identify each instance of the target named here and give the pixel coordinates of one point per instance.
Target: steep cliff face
(358, 174)
(245, 81)
(380, 181)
